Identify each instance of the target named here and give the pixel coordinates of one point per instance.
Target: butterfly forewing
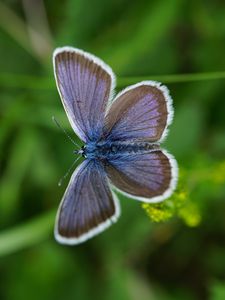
(85, 84)
(88, 206)
(141, 112)
(149, 177)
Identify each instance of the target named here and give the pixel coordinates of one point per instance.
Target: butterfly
(122, 137)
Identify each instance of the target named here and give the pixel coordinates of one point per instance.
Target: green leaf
(27, 234)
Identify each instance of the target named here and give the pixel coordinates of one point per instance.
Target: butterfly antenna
(68, 172)
(65, 132)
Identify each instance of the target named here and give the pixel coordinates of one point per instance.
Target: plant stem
(47, 83)
(174, 78)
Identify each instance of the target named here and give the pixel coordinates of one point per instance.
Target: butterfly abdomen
(130, 148)
(109, 149)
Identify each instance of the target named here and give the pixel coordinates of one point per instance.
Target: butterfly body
(111, 149)
(121, 144)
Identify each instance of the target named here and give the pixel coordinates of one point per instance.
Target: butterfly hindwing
(88, 205)
(85, 84)
(149, 177)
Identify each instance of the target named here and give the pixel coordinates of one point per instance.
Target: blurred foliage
(177, 42)
(183, 201)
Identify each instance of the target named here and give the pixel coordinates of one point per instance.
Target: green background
(183, 255)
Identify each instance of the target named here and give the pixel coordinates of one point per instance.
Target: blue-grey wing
(85, 84)
(88, 206)
(141, 112)
(149, 177)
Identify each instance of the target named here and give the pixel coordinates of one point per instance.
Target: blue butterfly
(122, 139)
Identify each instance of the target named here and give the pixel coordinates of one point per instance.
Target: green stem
(174, 78)
(27, 234)
(47, 83)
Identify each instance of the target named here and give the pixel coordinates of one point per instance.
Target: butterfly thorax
(108, 149)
